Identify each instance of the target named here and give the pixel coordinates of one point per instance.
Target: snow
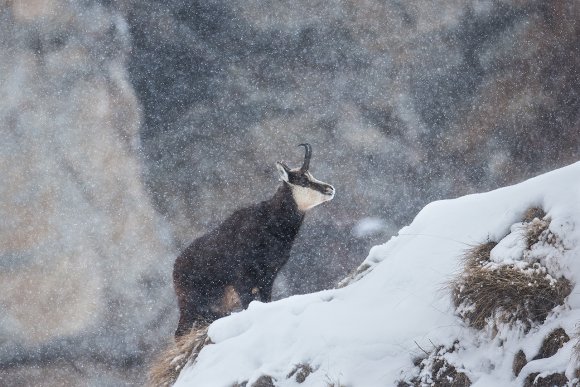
(369, 332)
(369, 226)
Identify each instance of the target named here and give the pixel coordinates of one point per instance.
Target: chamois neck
(284, 200)
(285, 217)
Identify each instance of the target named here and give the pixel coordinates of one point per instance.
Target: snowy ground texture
(370, 332)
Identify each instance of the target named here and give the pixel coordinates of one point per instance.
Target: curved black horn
(307, 156)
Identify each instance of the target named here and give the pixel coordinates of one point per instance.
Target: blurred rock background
(84, 256)
(131, 127)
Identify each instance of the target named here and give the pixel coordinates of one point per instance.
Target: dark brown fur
(239, 259)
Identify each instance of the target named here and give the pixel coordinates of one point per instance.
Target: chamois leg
(265, 287)
(195, 304)
(186, 319)
(247, 294)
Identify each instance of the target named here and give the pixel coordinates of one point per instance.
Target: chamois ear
(282, 171)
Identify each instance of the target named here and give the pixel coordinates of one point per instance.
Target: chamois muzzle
(307, 156)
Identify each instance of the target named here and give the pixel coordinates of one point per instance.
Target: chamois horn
(307, 156)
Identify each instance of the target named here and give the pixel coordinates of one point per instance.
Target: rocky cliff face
(84, 264)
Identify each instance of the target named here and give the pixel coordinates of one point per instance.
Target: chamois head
(306, 190)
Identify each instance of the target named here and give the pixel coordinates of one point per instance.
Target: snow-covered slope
(372, 331)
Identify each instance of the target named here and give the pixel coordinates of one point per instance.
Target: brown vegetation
(166, 368)
(533, 213)
(354, 275)
(489, 293)
(505, 293)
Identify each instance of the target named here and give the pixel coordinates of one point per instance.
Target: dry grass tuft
(533, 213)
(535, 231)
(479, 255)
(507, 293)
(354, 276)
(166, 368)
(435, 370)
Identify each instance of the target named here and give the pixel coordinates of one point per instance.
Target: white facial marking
(307, 198)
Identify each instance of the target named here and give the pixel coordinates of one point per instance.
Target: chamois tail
(166, 367)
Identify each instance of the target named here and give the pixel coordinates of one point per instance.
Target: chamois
(237, 262)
